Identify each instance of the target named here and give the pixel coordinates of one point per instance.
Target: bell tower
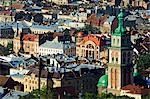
(120, 58)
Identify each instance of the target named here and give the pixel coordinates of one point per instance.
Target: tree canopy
(143, 62)
(90, 28)
(43, 94)
(104, 96)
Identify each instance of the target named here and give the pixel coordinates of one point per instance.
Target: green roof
(103, 81)
(136, 74)
(120, 30)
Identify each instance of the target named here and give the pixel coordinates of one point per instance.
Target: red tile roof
(135, 89)
(93, 38)
(30, 37)
(3, 80)
(18, 6)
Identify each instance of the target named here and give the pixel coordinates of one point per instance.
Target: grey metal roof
(52, 44)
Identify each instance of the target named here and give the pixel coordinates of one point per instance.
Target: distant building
(29, 43)
(4, 68)
(134, 91)
(31, 80)
(8, 82)
(90, 46)
(56, 47)
(82, 81)
(61, 2)
(6, 35)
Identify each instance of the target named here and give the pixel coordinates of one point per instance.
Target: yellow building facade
(31, 83)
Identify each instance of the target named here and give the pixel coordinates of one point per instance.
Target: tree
(10, 46)
(104, 96)
(90, 96)
(143, 62)
(89, 28)
(43, 94)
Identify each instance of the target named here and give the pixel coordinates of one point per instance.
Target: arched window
(90, 46)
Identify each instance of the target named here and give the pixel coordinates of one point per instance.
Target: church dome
(103, 81)
(136, 74)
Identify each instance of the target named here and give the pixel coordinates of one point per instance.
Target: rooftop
(52, 44)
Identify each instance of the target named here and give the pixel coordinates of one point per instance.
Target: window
(117, 60)
(35, 82)
(114, 41)
(118, 42)
(112, 59)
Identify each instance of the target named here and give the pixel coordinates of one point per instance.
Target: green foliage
(143, 62)
(90, 96)
(90, 28)
(43, 94)
(104, 96)
(4, 50)
(9, 46)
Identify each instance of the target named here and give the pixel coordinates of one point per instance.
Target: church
(119, 76)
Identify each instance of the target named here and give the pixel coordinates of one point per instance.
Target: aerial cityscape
(74, 49)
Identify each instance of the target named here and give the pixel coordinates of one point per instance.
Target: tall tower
(120, 59)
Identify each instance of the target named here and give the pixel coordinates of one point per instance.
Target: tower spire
(120, 30)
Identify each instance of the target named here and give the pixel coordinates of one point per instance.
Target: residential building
(6, 35)
(4, 68)
(32, 78)
(136, 92)
(89, 46)
(96, 20)
(60, 2)
(8, 82)
(83, 80)
(29, 43)
(19, 70)
(56, 47)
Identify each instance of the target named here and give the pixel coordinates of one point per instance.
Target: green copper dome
(103, 81)
(120, 30)
(136, 74)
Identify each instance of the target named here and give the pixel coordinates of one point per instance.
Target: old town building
(90, 46)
